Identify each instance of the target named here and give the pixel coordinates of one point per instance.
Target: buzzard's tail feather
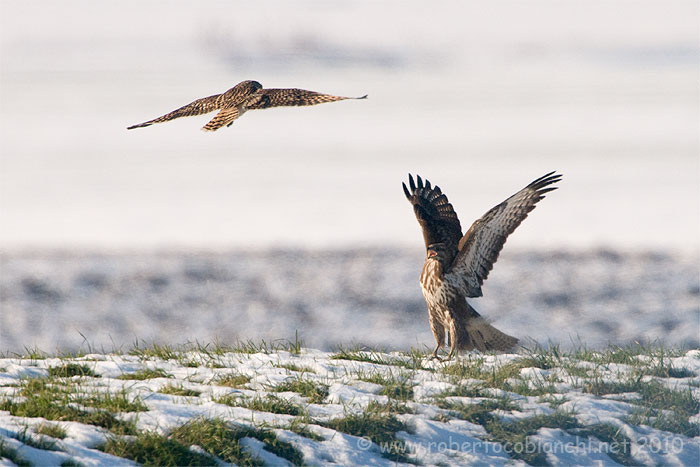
(482, 336)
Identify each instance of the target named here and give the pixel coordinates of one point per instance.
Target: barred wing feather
(272, 97)
(224, 118)
(435, 214)
(481, 245)
(198, 107)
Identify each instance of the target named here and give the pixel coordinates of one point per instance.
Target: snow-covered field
(331, 297)
(352, 407)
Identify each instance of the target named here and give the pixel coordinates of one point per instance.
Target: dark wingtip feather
(547, 190)
(420, 181)
(406, 192)
(411, 183)
(362, 97)
(545, 180)
(138, 125)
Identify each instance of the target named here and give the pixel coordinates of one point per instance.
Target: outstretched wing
(198, 107)
(435, 214)
(223, 118)
(480, 246)
(266, 98)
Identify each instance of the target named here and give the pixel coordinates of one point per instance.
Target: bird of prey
(456, 265)
(246, 95)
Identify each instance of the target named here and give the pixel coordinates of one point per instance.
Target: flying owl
(246, 95)
(456, 265)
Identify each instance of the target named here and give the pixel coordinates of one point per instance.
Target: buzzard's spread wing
(435, 214)
(223, 118)
(266, 98)
(198, 107)
(480, 246)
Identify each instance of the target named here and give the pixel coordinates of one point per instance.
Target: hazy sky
(479, 97)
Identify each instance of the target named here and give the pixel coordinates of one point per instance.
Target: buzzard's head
(440, 252)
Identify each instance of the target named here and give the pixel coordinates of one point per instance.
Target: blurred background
(293, 219)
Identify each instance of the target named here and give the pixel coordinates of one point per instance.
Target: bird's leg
(439, 334)
(453, 343)
(450, 355)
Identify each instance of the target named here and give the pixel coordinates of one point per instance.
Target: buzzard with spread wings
(457, 265)
(246, 95)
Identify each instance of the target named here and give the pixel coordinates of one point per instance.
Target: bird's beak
(432, 253)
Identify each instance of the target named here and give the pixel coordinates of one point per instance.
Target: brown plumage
(456, 266)
(246, 95)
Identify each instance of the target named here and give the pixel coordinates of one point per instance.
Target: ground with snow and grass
(277, 404)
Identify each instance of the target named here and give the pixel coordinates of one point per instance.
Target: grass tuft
(53, 430)
(627, 355)
(391, 407)
(118, 402)
(11, 454)
(374, 423)
(494, 377)
(217, 438)
(541, 357)
(269, 403)
(666, 409)
(465, 390)
(414, 360)
(32, 354)
(154, 449)
(232, 380)
(517, 433)
(54, 402)
(297, 368)
(301, 427)
(480, 412)
(38, 442)
(179, 390)
(164, 352)
(619, 444)
(146, 373)
(69, 370)
(221, 439)
(397, 387)
(315, 393)
(530, 387)
(252, 347)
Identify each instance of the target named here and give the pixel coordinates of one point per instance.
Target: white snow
(431, 439)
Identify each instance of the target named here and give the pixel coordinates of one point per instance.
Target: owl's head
(250, 85)
(244, 88)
